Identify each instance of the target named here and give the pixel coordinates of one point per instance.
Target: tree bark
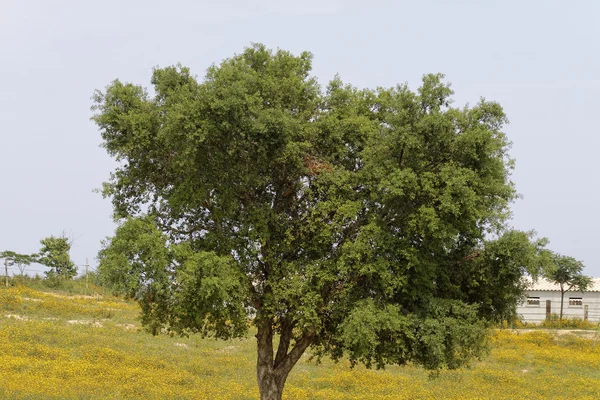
(271, 386)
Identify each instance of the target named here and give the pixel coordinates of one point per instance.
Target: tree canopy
(350, 220)
(21, 261)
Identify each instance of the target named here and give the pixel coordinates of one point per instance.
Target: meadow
(57, 345)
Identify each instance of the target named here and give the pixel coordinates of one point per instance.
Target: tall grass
(80, 285)
(554, 322)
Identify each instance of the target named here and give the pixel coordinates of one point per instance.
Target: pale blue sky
(539, 59)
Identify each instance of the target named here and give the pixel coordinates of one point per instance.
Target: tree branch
(293, 356)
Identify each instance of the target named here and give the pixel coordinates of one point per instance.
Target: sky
(539, 59)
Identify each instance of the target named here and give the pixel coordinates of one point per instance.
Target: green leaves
(210, 295)
(179, 289)
(20, 260)
(566, 271)
(380, 335)
(450, 335)
(492, 277)
(136, 256)
(446, 334)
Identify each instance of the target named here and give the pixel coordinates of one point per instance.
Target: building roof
(546, 285)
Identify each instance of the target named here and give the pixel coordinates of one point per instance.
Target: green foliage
(314, 210)
(19, 260)
(492, 277)
(567, 272)
(54, 254)
(209, 295)
(439, 338)
(178, 288)
(136, 256)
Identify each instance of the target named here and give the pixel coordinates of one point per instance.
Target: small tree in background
(21, 261)
(568, 273)
(54, 254)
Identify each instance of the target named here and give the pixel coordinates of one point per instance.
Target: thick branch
(284, 342)
(293, 356)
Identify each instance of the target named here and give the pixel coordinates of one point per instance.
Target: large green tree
(353, 221)
(567, 272)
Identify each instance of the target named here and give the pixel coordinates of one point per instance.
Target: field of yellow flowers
(60, 346)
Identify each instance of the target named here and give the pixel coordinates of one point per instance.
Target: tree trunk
(562, 300)
(270, 381)
(272, 372)
(270, 385)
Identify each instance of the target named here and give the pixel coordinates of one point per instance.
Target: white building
(543, 298)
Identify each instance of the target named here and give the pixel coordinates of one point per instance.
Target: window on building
(533, 302)
(575, 302)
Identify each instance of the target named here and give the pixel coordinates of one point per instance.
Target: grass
(555, 322)
(55, 345)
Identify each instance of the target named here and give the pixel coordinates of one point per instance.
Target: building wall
(531, 313)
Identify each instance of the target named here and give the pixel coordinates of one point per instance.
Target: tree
(568, 273)
(54, 254)
(21, 261)
(352, 221)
